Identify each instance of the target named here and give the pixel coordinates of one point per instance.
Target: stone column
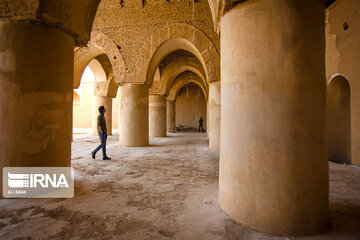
(157, 116)
(134, 115)
(274, 173)
(36, 80)
(207, 119)
(171, 128)
(107, 103)
(214, 115)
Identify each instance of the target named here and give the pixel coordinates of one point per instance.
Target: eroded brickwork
(18, 8)
(132, 24)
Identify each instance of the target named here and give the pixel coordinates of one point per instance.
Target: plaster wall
(342, 57)
(190, 106)
(82, 112)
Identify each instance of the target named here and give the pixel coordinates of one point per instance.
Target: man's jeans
(103, 138)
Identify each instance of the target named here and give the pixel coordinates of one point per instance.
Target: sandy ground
(165, 191)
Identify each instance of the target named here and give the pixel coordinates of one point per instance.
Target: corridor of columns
(277, 154)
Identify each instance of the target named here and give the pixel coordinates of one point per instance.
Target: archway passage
(93, 91)
(190, 105)
(82, 112)
(339, 120)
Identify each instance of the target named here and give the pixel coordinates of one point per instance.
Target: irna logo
(37, 180)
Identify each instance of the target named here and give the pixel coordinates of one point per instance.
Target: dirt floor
(165, 191)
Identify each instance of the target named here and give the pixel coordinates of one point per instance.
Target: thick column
(157, 116)
(214, 115)
(134, 115)
(107, 103)
(36, 78)
(273, 159)
(171, 128)
(207, 119)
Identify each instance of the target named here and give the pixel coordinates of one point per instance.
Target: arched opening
(170, 51)
(339, 120)
(94, 89)
(177, 63)
(82, 110)
(190, 105)
(98, 71)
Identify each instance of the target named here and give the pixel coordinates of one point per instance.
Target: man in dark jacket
(102, 131)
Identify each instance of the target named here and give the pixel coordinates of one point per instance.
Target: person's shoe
(93, 155)
(106, 158)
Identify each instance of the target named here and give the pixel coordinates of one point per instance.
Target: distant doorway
(339, 120)
(190, 106)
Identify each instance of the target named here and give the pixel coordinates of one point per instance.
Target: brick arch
(103, 49)
(76, 18)
(181, 81)
(82, 57)
(106, 45)
(101, 68)
(182, 70)
(172, 70)
(170, 38)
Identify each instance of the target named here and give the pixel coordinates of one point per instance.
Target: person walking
(102, 131)
(201, 124)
